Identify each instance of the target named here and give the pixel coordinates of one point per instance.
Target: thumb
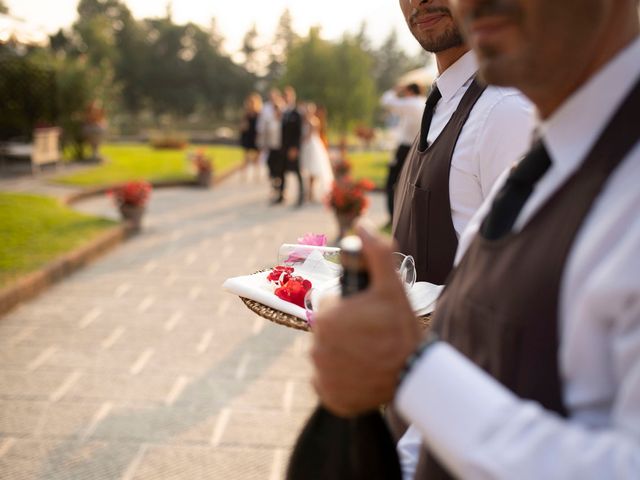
(377, 251)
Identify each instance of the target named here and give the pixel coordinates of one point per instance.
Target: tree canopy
(334, 74)
(155, 68)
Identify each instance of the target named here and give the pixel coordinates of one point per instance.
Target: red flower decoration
(349, 196)
(135, 193)
(280, 274)
(294, 290)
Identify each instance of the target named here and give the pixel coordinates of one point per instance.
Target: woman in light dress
(314, 158)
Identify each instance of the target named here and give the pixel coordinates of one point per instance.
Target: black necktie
(427, 115)
(514, 193)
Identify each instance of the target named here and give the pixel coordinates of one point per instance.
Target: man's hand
(362, 342)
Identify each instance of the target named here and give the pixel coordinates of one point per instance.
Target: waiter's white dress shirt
(478, 428)
(496, 134)
(409, 112)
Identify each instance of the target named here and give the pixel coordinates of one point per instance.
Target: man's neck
(446, 58)
(549, 99)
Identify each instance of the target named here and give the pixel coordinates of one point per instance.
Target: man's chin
(449, 39)
(498, 70)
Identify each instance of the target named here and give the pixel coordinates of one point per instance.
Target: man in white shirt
(269, 128)
(461, 149)
(568, 405)
(406, 103)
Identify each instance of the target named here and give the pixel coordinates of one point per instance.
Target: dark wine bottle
(336, 448)
(355, 276)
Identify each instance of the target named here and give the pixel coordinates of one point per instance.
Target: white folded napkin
(258, 288)
(422, 295)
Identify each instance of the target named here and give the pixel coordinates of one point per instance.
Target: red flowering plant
(348, 196)
(133, 194)
(202, 162)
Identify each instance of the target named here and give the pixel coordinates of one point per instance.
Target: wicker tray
(291, 321)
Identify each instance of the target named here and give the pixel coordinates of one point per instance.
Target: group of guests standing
(292, 138)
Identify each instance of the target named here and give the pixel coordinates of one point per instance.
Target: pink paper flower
(315, 239)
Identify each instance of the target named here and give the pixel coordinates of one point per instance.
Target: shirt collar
(454, 77)
(571, 131)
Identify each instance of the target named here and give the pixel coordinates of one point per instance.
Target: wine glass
(405, 267)
(315, 296)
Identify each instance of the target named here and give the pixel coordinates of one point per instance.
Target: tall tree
(250, 49)
(222, 83)
(307, 67)
(130, 62)
(283, 41)
(362, 38)
(184, 70)
(353, 96)
(337, 75)
(390, 61)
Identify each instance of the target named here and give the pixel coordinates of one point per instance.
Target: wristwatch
(418, 353)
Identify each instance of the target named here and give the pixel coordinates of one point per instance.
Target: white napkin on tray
(258, 288)
(321, 273)
(422, 295)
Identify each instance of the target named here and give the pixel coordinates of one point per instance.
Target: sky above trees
(234, 19)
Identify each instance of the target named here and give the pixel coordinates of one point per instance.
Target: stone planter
(203, 178)
(133, 214)
(345, 222)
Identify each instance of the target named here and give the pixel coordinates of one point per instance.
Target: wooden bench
(44, 149)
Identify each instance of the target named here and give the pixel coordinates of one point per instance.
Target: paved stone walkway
(141, 367)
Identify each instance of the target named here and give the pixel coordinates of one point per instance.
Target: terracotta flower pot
(133, 215)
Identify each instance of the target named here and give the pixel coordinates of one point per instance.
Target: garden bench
(44, 149)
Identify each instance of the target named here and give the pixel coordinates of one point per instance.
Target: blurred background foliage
(152, 73)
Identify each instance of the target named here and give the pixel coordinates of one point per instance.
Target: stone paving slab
(140, 367)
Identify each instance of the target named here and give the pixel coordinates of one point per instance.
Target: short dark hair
(414, 88)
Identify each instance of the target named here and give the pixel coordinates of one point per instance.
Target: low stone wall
(32, 284)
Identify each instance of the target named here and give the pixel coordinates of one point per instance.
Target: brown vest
(500, 308)
(422, 223)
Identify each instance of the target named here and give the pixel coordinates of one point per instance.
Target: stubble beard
(451, 38)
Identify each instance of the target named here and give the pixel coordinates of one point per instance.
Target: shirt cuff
(453, 403)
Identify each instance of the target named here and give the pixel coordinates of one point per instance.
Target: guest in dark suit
(291, 139)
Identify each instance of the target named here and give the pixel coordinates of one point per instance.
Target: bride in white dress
(314, 158)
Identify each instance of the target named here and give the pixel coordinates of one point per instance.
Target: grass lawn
(35, 230)
(371, 165)
(140, 161)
